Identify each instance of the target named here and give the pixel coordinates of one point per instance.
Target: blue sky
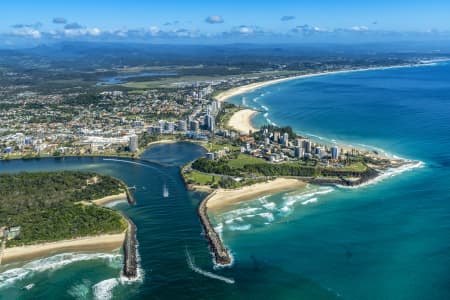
(221, 20)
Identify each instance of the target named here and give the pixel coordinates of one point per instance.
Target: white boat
(165, 191)
(28, 287)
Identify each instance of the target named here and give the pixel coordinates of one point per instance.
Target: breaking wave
(304, 197)
(103, 290)
(81, 290)
(49, 264)
(267, 211)
(391, 172)
(240, 227)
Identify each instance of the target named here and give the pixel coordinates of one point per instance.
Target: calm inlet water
(389, 240)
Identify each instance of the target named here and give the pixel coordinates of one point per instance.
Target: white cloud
(214, 20)
(80, 32)
(27, 32)
(360, 28)
(154, 31)
(245, 30)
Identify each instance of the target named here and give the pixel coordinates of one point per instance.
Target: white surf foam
(270, 206)
(219, 228)
(139, 271)
(103, 290)
(268, 216)
(80, 291)
(265, 108)
(238, 219)
(292, 199)
(240, 227)
(50, 263)
(240, 212)
(271, 122)
(312, 200)
(391, 172)
(193, 267)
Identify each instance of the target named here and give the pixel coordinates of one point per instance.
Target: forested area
(45, 205)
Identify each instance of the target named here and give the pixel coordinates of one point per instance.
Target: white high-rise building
(286, 139)
(133, 143)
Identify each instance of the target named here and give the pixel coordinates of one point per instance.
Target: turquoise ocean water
(388, 240)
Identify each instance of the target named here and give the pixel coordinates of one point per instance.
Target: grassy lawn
(244, 160)
(356, 167)
(212, 147)
(200, 178)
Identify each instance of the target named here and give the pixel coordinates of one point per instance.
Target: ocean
(387, 240)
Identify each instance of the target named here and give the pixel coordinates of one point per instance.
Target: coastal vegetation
(50, 206)
(247, 165)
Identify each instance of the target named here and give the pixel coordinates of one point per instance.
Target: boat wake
(196, 269)
(128, 162)
(165, 191)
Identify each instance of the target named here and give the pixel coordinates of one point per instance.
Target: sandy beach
(225, 95)
(241, 121)
(167, 141)
(109, 199)
(100, 243)
(221, 197)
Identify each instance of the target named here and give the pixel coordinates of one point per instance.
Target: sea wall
(130, 260)
(220, 252)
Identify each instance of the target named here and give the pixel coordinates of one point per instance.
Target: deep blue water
(386, 241)
(390, 240)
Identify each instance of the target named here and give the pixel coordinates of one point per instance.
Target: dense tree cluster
(290, 169)
(45, 205)
(215, 166)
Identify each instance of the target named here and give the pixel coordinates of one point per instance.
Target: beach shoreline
(220, 198)
(225, 95)
(241, 121)
(108, 199)
(99, 243)
(225, 197)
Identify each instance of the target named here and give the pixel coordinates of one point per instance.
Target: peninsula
(244, 162)
(46, 213)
